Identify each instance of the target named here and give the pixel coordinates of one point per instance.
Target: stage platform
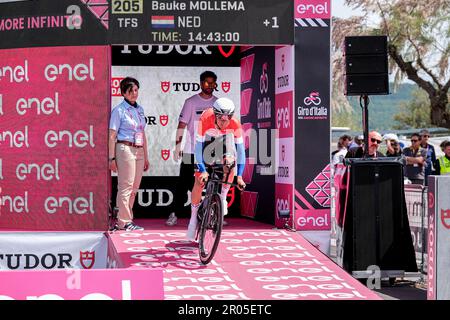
(253, 261)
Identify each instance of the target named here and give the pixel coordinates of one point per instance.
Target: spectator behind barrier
(442, 164)
(374, 143)
(415, 157)
(430, 152)
(393, 145)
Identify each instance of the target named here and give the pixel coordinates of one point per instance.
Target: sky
(338, 9)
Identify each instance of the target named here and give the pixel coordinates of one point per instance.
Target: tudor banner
(52, 250)
(312, 114)
(164, 88)
(53, 138)
(168, 75)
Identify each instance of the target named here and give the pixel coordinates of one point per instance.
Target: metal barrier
(416, 204)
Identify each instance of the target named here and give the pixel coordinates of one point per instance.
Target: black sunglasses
(220, 115)
(375, 140)
(414, 140)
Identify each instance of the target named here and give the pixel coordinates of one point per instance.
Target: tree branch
(383, 16)
(420, 63)
(446, 86)
(410, 71)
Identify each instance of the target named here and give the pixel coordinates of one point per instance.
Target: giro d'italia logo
(313, 98)
(264, 79)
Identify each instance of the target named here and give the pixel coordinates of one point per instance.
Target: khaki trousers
(130, 167)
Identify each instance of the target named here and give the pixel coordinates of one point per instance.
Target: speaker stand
(365, 122)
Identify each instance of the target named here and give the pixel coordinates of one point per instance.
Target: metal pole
(366, 125)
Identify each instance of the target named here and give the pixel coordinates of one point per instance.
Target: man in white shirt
(190, 114)
(340, 154)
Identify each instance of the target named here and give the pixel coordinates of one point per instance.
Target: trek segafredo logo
(27, 261)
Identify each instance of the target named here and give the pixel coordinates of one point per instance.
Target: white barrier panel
(439, 238)
(52, 250)
(319, 239)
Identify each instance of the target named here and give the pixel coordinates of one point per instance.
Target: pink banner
(284, 199)
(312, 219)
(284, 111)
(77, 284)
(54, 111)
(305, 9)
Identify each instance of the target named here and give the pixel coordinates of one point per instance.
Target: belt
(128, 143)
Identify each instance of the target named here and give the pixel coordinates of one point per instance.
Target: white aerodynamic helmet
(224, 106)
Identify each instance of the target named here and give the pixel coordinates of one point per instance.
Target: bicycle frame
(210, 215)
(212, 187)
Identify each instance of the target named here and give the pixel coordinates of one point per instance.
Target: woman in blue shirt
(128, 151)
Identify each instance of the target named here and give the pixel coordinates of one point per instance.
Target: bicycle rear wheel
(211, 229)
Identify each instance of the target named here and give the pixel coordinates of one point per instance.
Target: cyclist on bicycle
(217, 122)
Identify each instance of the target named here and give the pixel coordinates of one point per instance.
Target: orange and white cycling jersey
(207, 127)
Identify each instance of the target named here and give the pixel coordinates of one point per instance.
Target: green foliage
(415, 113)
(345, 118)
(381, 110)
(419, 50)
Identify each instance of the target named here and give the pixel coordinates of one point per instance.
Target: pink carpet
(253, 261)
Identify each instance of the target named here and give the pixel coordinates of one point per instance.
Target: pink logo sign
(312, 219)
(284, 114)
(306, 9)
(284, 196)
(312, 99)
(78, 284)
(264, 79)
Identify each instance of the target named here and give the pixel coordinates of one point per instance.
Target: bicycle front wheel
(211, 229)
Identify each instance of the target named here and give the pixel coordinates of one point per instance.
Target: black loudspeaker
(366, 65)
(376, 223)
(358, 84)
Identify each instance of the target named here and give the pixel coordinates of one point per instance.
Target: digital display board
(180, 22)
(198, 22)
